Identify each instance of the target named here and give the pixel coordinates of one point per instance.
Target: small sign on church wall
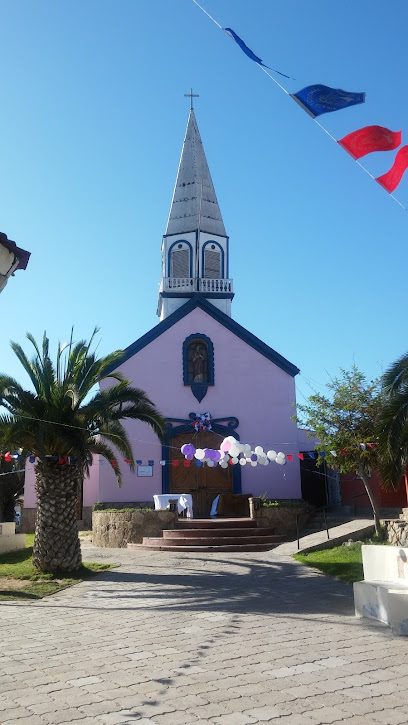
(145, 470)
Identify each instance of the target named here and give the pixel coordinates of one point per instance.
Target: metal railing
(195, 284)
(324, 510)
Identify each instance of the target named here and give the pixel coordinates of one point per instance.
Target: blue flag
(319, 99)
(248, 51)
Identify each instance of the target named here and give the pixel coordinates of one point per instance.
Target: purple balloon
(188, 449)
(189, 457)
(216, 456)
(208, 453)
(254, 457)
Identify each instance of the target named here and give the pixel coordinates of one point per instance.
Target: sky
(92, 124)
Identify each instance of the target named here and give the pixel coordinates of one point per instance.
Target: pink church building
(196, 360)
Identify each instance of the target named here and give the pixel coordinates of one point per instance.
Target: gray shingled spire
(194, 205)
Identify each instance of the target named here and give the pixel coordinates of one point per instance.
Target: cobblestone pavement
(227, 639)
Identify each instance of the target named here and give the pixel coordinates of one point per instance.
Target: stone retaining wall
(116, 529)
(281, 518)
(397, 531)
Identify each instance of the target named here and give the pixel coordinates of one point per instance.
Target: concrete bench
(383, 594)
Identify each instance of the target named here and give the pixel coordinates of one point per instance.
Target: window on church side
(180, 263)
(197, 361)
(212, 264)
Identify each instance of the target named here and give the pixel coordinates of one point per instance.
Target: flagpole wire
(288, 94)
(271, 77)
(208, 14)
(136, 440)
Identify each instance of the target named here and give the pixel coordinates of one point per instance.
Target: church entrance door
(202, 482)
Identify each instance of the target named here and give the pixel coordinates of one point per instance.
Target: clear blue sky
(92, 122)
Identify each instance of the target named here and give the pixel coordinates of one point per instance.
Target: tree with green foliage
(345, 425)
(393, 423)
(64, 422)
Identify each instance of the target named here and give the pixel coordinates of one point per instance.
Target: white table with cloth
(184, 502)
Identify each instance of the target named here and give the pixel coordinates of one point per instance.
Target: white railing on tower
(195, 284)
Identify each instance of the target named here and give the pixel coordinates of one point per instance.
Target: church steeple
(194, 205)
(195, 245)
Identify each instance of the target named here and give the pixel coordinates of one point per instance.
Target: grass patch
(20, 580)
(342, 562)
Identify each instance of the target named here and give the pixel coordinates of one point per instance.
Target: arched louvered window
(212, 263)
(180, 261)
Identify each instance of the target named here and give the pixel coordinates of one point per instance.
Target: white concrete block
(7, 528)
(385, 563)
(12, 543)
(383, 594)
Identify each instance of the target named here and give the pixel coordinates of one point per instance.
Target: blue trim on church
(208, 295)
(199, 301)
(199, 390)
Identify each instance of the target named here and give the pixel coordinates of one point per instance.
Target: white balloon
(247, 447)
(242, 461)
(271, 455)
(223, 464)
(234, 451)
(231, 439)
(234, 460)
(259, 450)
(210, 463)
(263, 460)
(280, 461)
(199, 454)
(253, 463)
(281, 455)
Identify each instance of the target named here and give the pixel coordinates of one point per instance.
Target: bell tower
(195, 245)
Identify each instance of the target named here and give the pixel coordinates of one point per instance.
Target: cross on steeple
(191, 95)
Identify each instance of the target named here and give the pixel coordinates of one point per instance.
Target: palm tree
(393, 425)
(64, 423)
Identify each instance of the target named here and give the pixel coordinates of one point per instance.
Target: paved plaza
(227, 639)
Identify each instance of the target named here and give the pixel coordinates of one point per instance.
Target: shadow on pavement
(217, 585)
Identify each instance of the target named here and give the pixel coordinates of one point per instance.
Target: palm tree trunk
(56, 542)
(373, 502)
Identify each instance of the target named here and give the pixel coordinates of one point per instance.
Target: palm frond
(102, 449)
(396, 377)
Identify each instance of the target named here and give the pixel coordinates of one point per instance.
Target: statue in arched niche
(198, 362)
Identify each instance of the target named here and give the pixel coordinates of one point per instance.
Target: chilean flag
(368, 139)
